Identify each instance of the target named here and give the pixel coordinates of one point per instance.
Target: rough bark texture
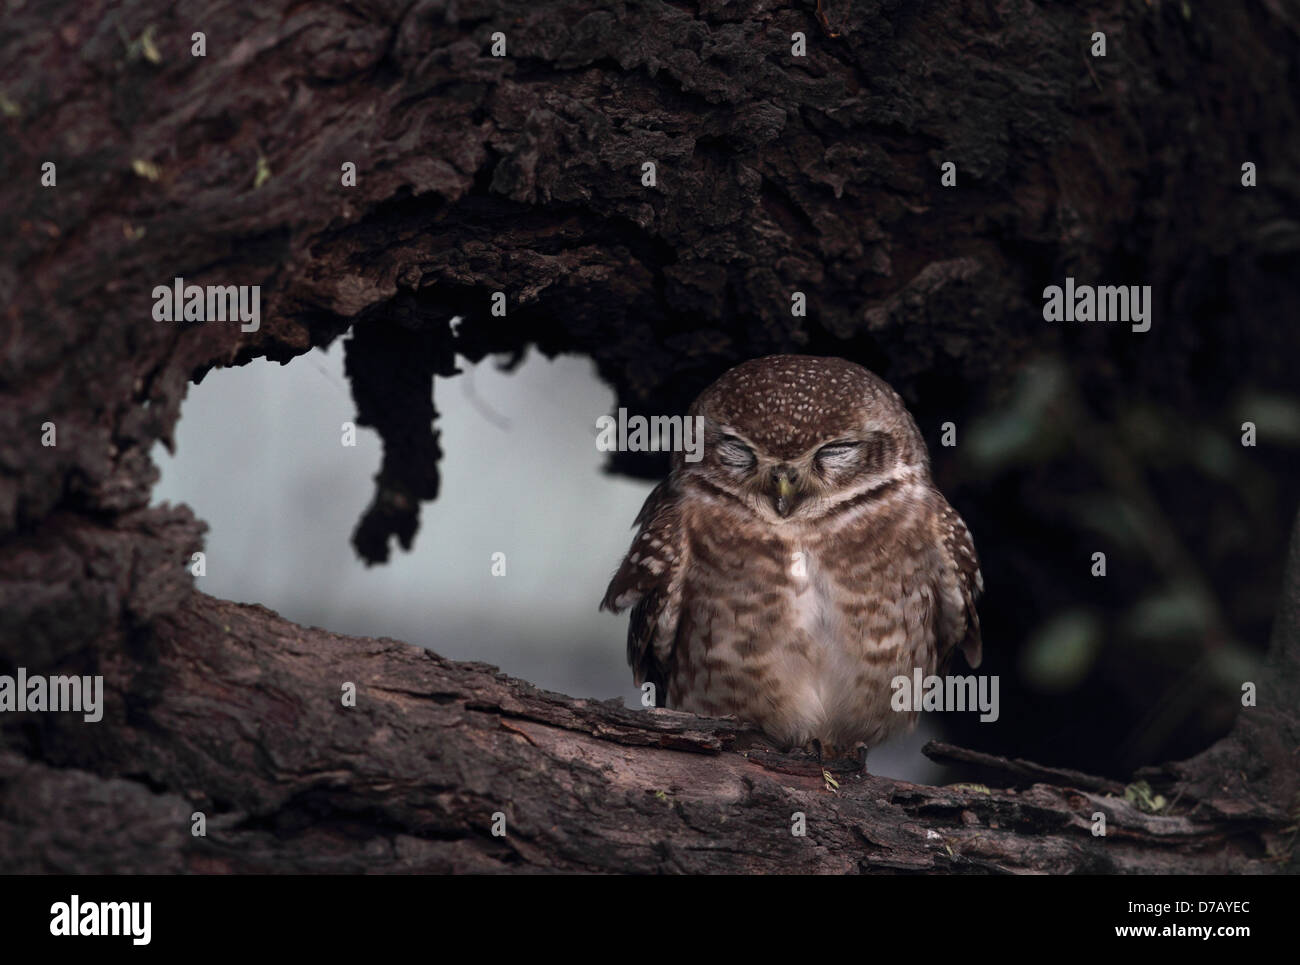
(522, 174)
(241, 720)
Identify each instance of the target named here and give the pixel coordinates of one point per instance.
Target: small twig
(826, 24)
(1058, 776)
(483, 409)
(1093, 74)
(506, 725)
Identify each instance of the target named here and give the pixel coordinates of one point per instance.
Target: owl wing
(649, 581)
(959, 586)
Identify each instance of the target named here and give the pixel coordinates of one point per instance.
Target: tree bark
(241, 718)
(523, 174)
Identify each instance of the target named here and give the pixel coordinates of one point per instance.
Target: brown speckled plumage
(787, 583)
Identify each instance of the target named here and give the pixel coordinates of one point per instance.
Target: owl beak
(788, 488)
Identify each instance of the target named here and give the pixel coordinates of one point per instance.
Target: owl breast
(800, 643)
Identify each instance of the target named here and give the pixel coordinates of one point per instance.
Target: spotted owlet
(805, 561)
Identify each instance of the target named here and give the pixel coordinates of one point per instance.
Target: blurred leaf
(997, 440)
(148, 48)
(1277, 417)
(1179, 611)
(1145, 429)
(1114, 517)
(146, 169)
(1139, 795)
(1232, 665)
(1062, 651)
(1216, 456)
(1005, 435)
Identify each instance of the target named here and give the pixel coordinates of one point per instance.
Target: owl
(802, 563)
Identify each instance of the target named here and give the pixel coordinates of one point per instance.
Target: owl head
(793, 435)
